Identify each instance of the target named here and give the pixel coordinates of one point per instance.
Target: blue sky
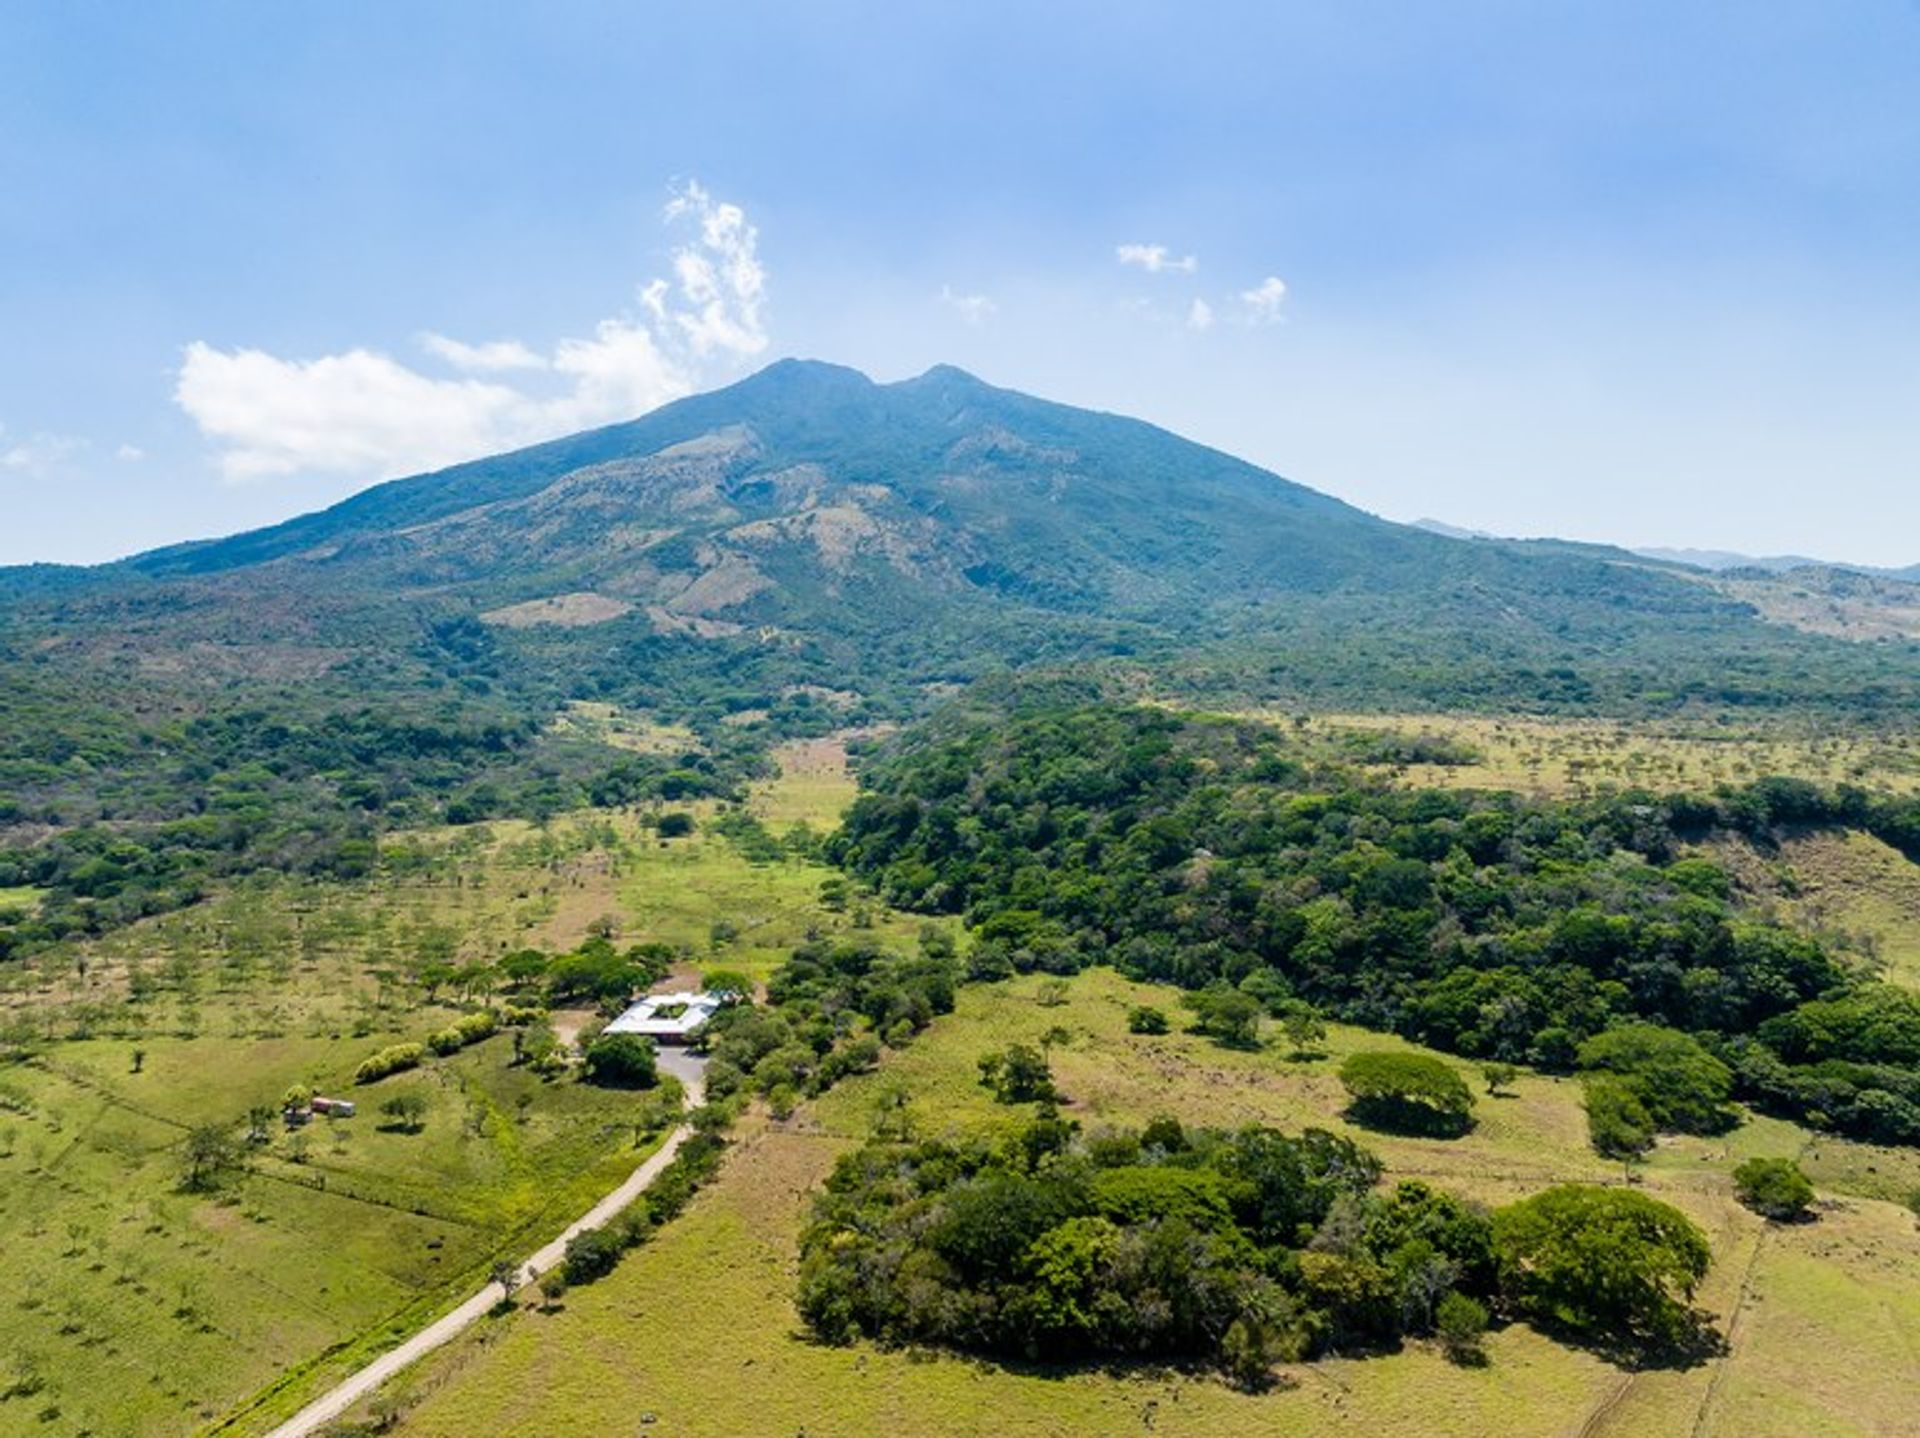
(1646, 273)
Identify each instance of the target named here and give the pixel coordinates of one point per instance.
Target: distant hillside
(810, 527)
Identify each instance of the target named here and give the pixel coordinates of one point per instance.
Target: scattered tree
(210, 1155)
(1609, 1263)
(1018, 1073)
(407, 1109)
(1407, 1093)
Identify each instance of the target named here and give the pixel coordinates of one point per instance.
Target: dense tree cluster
(1243, 1248)
(1227, 858)
(830, 1009)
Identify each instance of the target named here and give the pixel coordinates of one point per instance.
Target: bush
(467, 1029)
(1407, 1093)
(1610, 1264)
(1146, 1019)
(1774, 1188)
(620, 1061)
(1227, 1015)
(676, 825)
(396, 1058)
(1461, 1323)
(592, 1253)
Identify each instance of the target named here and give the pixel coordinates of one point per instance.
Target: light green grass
(1570, 756)
(142, 1309)
(699, 1328)
(19, 897)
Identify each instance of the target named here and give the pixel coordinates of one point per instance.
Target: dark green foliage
(676, 825)
(1018, 1073)
(1679, 1085)
(1618, 1124)
(1145, 1019)
(1161, 1243)
(1608, 1264)
(1407, 1093)
(1774, 1188)
(1255, 870)
(620, 1061)
(1461, 1323)
(592, 1253)
(279, 699)
(1228, 1014)
(210, 1155)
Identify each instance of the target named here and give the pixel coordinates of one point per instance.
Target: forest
(1224, 856)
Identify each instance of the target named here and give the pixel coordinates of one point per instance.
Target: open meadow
(1560, 756)
(699, 1330)
(139, 1307)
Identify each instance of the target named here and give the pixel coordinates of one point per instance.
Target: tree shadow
(1694, 1342)
(1408, 1120)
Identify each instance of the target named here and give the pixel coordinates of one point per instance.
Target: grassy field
(699, 1329)
(135, 1307)
(1566, 756)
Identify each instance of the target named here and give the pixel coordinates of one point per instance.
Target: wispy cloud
(1263, 302)
(37, 456)
(1200, 316)
(1156, 259)
(492, 357)
(360, 412)
(973, 309)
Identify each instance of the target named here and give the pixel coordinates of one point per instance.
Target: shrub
(396, 1058)
(1774, 1188)
(676, 825)
(1407, 1093)
(592, 1253)
(407, 1109)
(467, 1029)
(1146, 1019)
(1461, 1323)
(1227, 1015)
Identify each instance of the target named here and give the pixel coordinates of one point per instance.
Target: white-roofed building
(668, 1018)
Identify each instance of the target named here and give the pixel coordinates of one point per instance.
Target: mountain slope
(808, 526)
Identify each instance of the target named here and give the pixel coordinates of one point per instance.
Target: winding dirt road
(337, 1400)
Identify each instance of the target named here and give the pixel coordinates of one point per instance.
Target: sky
(1645, 273)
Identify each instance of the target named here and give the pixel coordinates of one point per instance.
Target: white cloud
(489, 358)
(363, 413)
(130, 453)
(974, 309)
(1156, 259)
(1264, 300)
(36, 456)
(1200, 316)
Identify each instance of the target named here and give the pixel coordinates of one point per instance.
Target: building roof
(667, 1015)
